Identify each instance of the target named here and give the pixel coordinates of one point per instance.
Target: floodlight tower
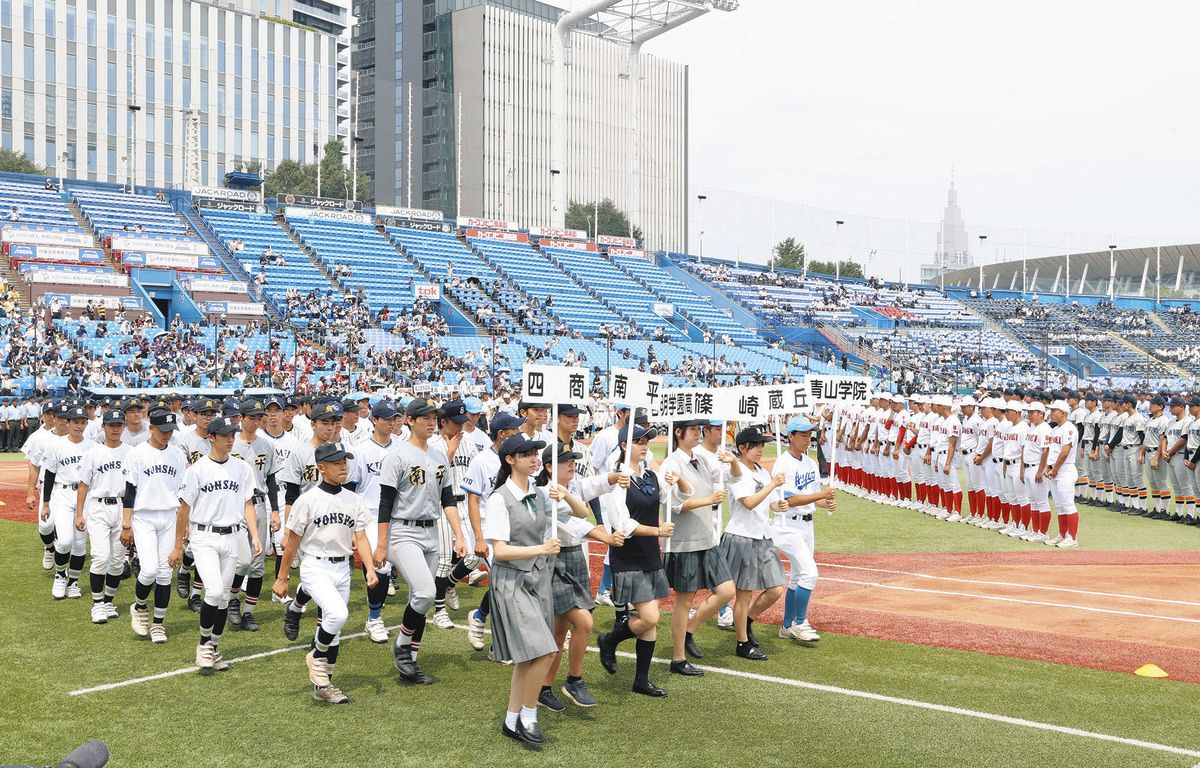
(633, 23)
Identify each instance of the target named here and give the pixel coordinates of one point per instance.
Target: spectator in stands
(55, 309)
(159, 196)
(139, 228)
(50, 185)
(14, 214)
(279, 260)
(102, 331)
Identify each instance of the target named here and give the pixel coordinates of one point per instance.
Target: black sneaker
(579, 694)
(551, 702)
(408, 669)
(235, 612)
(194, 603)
(291, 623)
(183, 583)
(248, 623)
(686, 668)
(748, 651)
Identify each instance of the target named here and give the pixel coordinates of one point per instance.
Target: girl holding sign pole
(638, 577)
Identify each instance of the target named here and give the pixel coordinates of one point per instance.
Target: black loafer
(509, 732)
(608, 654)
(530, 734)
(686, 668)
(751, 638)
(647, 688)
(748, 651)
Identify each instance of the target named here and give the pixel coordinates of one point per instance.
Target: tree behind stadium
(611, 219)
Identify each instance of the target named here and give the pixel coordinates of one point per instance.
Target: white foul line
(999, 598)
(186, 670)
(918, 574)
(832, 689)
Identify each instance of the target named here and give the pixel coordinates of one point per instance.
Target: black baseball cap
(570, 409)
(422, 406)
(520, 443)
(253, 406)
(222, 425)
(349, 404)
(455, 410)
(112, 417)
(329, 411)
(163, 421)
(331, 452)
(525, 404)
(639, 432)
(206, 405)
(751, 436)
(132, 402)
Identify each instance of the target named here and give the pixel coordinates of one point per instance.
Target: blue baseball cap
(473, 405)
(798, 424)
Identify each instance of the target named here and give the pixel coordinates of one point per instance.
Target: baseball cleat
(1068, 543)
(111, 610)
(330, 695)
(73, 591)
(452, 599)
(47, 559)
(158, 634)
(442, 620)
(954, 518)
(318, 670)
(376, 630)
(604, 598)
(407, 666)
(475, 631)
(58, 590)
(183, 583)
(139, 620)
(194, 603)
(99, 615)
(204, 655)
(1053, 542)
(235, 611)
(725, 618)
(805, 633)
(476, 577)
(248, 623)
(291, 623)
(218, 663)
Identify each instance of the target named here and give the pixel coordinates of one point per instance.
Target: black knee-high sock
(378, 593)
(97, 583)
(322, 642)
(622, 611)
(61, 561)
(620, 632)
(302, 598)
(460, 572)
(48, 539)
(162, 597)
(253, 591)
(485, 605)
(74, 568)
(440, 585)
(236, 587)
(645, 654)
(413, 626)
(187, 562)
(208, 620)
(112, 582)
(219, 624)
(278, 562)
(141, 593)
(332, 654)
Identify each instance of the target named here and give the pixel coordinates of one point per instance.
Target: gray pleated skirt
(693, 571)
(522, 612)
(571, 583)
(753, 563)
(639, 586)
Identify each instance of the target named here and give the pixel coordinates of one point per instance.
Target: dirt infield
(1105, 610)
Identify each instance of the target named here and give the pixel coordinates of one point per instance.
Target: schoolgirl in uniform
(638, 576)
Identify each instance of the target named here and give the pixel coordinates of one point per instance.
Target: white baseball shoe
(218, 663)
(74, 592)
(99, 615)
(111, 610)
(804, 632)
(725, 617)
(139, 620)
(158, 634)
(1053, 542)
(204, 655)
(476, 576)
(604, 598)
(785, 633)
(330, 695)
(943, 515)
(376, 630)
(452, 599)
(442, 620)
(318, 670)
(1068, 542)
(954, 518)
(47, 559)
(58, 590)
(475, 631)
(391, 588)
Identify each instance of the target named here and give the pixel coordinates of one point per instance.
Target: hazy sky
(1057, 117)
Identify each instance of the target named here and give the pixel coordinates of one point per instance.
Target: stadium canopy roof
(179, 391)
(1135, 268)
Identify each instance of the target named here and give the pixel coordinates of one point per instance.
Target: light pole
(1112, 273)
(982, 238)
(700, 216)
(837, 252)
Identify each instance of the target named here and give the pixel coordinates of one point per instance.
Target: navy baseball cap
(384, 409)
(503, 421)
(331, 452)
(526, 404)
(455, 410)
(222, 425)
(329, 411)
(349, 404)
(1158, 400)
(422, 406)
(520, 443)
(231, 407)
(1176, 401)
(75, 412)
(163, 421)
(752, 436)
(132, 402)
(639, 432)
(570, 409)
(113, 417)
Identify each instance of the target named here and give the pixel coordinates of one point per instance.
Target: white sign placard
(838, 389)
(664, 310)
(202, 285)
(42, 237)
(636, 253)
(245, 308)
(418, 214)
(158, 245)
(65, 277)
(634, 388)
(554, 383)
(1056, 350)
(627, 242)
(327, 214)
(750, 403)
(561, 234)
(472, 222)
(427, 291)
(681, 403)
(221, 193)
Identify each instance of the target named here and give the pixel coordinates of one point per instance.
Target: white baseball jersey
(363, 429)
(1061, 438)
(801, 479)
(327, 522)
(260, 455)
(972, 430)
(135, 438)
(217, 492)
(65, 459)
(1034, 442)
(368, 462)
(156, 474)
(481, 475)
(104, 471)
(1014, 439)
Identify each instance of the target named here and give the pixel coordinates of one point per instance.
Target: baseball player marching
(63, 462)
(215, 503)
(101, 485)
(254, 449)
(326, 526)
(153, 473)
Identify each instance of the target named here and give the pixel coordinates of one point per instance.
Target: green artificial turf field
(261, 713)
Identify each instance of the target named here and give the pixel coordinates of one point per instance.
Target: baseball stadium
(375, 391)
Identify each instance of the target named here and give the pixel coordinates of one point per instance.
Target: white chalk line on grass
(920, 575)
(803, 684)
(1002, 599)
